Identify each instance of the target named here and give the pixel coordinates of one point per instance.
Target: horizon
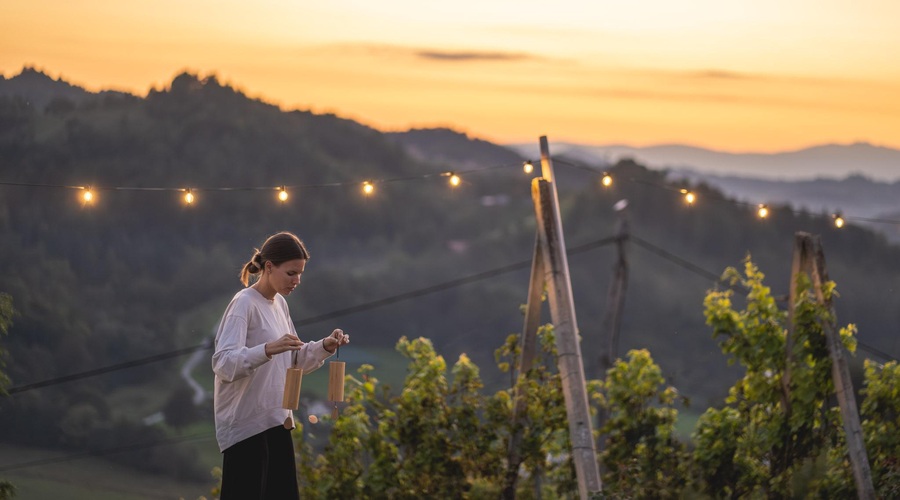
(746, 77)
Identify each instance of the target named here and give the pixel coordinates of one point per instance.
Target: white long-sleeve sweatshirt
(249, 386)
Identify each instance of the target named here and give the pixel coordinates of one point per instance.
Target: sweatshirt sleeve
(312, 356)
(232, 359)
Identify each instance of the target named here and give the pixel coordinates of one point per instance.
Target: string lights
(838, 220)
(87, 193)
(606, 180)
(454, 179)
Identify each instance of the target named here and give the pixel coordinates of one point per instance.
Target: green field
(90, 479)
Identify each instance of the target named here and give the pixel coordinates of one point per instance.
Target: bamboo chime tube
(335, 384)
(336, 381)
(292, 382)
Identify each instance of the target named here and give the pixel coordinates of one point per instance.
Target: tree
(545, 461)
(642, 456)
(7, 490)
(880, 413)
(773, 425)
(440, 437)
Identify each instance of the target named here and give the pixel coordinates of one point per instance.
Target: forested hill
(442, 145)
(138, 272)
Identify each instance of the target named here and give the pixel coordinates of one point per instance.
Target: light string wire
(195, 188)
(368, 186)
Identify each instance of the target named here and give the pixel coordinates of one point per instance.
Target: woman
(254, 346)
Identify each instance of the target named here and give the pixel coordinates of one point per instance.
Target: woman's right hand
(287, 342)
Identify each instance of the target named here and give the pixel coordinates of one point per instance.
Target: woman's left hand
(335, 340)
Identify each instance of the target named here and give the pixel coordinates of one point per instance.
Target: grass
(90, 479)
(686, 423)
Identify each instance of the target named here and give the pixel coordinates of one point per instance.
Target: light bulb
(282, 194)
(88, 195)
(368, 188)
(838, 221)
(454, 180)
(528, 167)
(189, 197)
(607, 180)
(689, 197)
(763, 211)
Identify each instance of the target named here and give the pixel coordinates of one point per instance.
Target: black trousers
(261, 467)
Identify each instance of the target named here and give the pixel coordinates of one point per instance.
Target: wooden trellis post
(551, 267)
(809, 258)
(615, 305)
(615, 302)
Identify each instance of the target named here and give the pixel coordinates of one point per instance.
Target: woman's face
(284, 278)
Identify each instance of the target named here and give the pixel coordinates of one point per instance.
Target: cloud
(721, 74)
(431, 54)
(436, 55)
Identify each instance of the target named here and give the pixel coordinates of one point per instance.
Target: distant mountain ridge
(39, 89)
(834, 161)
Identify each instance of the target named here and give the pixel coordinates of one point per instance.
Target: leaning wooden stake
(526, 360)
(565, 326)
(810, 259)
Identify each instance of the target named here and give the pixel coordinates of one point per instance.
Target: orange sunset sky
(732, 75)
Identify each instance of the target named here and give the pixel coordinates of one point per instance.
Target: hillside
(138, 273)
(448, 147)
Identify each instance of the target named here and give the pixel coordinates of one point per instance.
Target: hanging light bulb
(282, 194)
(528, 167)
(763, 211)
(689, 197)
(368, 188)
(838, 220)
(188, 196)
(454, 179)
(607, 180)
(87, 195)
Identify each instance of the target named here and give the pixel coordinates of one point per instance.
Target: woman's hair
(278, 249)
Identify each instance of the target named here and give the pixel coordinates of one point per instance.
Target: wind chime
(294, 378)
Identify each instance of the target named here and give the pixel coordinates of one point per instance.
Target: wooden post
(612, 319)
(526, 361)
(562, 312)
(811, 260)
(615, 302)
